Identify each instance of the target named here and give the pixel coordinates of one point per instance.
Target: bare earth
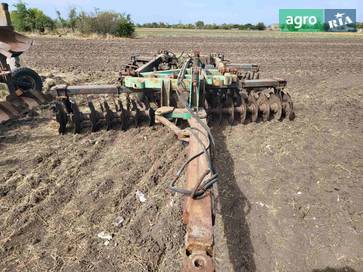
(289, 196)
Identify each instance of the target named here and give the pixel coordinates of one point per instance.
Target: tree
(61, 22)
(72, 18)
(199, 24)
(32, 19)
(19, 17)
(39, 21)
(260, 26)
(125, 27)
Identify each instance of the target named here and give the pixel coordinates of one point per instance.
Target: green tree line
(202, 25)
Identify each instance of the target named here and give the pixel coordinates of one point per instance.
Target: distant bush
(260, 26)
(105, 23)
(84, 23)
(125, 27)
(199, 24)
(72, 19)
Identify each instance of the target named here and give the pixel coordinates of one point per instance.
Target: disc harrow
(177, 92)
(232, 92)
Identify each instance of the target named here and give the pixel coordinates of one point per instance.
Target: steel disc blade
(252, 108)
(230, 106)
(76, 118)
(208, 111)
(243, 111)
(67, 105)
(241, 107)
(151, 117)
(137, 117)
(264, 106)
(276, 106)
(61, 117)
(288, 106)
(219, 110)
(94, 117)
(109, 116)
(124, 120)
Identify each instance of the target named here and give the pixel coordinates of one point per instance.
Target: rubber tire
(18, 73)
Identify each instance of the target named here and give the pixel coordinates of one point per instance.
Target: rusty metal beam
(198, 212)
(148, 67)
(182, 135)
(263, 83)
(4, 15)
(244, 66)
(64, 90)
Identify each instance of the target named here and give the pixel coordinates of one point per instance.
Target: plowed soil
(289, 196)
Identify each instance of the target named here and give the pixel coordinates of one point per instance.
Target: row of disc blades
(71, 118)
(243, 106)
(231, 104)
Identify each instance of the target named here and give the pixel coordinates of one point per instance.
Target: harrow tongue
(175, 91)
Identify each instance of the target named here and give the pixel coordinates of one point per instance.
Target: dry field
(289, 196)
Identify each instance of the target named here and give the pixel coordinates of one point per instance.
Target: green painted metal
(175, 115)
(166, 73)
(154, 82)
(212, 78)
(150, 83)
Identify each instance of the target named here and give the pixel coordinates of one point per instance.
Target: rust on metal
(4, 15)
(182, 135)
(64, 90)
(198, 212)
(11, 43)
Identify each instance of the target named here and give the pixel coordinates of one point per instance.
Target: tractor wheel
(25, 78)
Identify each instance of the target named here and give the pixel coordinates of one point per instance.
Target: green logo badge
(301, 20)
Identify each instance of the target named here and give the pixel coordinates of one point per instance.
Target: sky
(190, 11)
